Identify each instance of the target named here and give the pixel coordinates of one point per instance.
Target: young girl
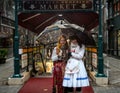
(75, 72)
(59, 57)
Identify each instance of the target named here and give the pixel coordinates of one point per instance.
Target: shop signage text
(57, 4)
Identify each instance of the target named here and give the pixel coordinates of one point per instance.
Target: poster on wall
(30, 58)
(49, 66)
(24, 59)
(94, 60)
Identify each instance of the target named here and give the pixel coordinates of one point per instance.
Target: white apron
(72, 66)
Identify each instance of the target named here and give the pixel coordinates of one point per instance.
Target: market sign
(56, 5)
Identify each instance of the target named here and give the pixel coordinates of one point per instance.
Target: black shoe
(65, 90)
(71, 89)
(54, 90)
(78, 89)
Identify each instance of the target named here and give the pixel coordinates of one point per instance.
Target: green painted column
(16, 46)
(100, 72)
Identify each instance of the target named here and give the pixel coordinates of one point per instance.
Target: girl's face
(74, 42)
(62, 41)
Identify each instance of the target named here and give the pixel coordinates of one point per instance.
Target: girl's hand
(57, 51)
(72, 50)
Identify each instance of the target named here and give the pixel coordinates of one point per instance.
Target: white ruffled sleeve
(54, 56)
(79, 52)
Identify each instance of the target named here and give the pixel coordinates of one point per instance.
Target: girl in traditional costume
(59, 57)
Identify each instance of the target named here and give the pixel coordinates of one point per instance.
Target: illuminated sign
(59, 5)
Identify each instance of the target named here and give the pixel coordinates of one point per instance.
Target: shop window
(4, 42)
(114, 43)
(114, 8)
(119, 43)
(110, 11)
(119, 6)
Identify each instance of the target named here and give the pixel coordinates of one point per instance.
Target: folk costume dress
(75, 72)
(58, 71)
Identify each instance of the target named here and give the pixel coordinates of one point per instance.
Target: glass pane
(119, 43)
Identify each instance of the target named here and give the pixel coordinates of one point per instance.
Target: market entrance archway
(35, 15)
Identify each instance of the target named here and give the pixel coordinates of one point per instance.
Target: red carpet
(37, 85)
(87, 89)
(44, 85)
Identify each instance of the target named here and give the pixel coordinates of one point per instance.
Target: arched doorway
(82, 12)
